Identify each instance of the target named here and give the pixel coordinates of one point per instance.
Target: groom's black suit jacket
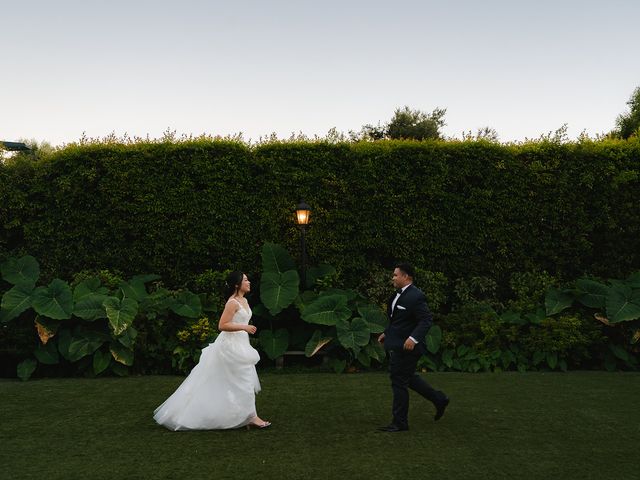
(411, 317)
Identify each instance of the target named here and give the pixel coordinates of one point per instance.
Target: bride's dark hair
(232, 284)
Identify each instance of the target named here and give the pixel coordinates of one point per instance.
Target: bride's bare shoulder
(232, 304)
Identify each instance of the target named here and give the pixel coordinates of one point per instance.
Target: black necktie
(399, 291)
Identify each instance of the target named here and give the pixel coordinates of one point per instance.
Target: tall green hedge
(463, 208)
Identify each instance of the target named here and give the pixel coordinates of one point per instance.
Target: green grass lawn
(509, 425)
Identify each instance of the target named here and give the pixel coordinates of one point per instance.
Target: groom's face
(400, 279)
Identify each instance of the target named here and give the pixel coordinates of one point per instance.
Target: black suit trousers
(402, 370)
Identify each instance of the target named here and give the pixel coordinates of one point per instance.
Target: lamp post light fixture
(303, 212)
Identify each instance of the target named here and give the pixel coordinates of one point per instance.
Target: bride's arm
(226, 325)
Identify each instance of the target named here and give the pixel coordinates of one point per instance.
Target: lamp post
(303, 212)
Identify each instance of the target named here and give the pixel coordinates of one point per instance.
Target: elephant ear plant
(339, 322)
(89, 325)
(616, 303)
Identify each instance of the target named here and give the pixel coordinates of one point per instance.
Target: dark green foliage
(85, 328)
(415, 124)
(470, 215)
(588, 324)
(628, 123)
(408, 124)
(323, 315)
(144, 207)
(467, 209)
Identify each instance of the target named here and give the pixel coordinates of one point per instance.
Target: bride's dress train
(219, 393)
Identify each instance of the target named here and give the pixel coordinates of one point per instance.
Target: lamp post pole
(303, 247)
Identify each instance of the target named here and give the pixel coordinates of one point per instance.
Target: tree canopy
(408, 124)
(628, 123)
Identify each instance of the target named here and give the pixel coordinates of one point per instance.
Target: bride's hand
(250, 329)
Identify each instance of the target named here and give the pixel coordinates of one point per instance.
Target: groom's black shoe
(392, 428)
(440, 408)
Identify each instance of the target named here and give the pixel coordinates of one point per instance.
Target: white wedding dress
(219, 393)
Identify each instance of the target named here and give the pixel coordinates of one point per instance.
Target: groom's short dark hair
(406, 268)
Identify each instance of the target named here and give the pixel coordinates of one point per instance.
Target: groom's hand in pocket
(381, 338)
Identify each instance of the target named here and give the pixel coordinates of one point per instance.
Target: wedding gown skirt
(219, 393)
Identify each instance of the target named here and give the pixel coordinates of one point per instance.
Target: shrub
(471, 209)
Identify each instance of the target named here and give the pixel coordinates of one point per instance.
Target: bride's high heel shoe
(258, 425)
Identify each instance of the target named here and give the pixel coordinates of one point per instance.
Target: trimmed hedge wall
(462, 208)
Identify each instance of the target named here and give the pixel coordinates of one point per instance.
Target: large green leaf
(350, 294)
(327, 310)
(208, 302)
(354, 334)
(364, 358)
(47, 354)
(26, 368)
(315, 343)
(447, 357)
(316, 273)
(634, 280)
(338, 364)
(119, 369)
(260, 310)
(128, 337)
(121, 354)
(20, 270)
(15, 301)
(187, 304)
(83, 343)
(552, 360)
(374, 316)
(610, 362)
(556, 301)
(54, 301)
(90, 307)
(375, 350)
(121, 313)
(160, 300)
(433, 339)
(592, 294)
(276, 259)
(304, 299)
(623, 304)
(620, 352)
(278, 290)
(507, 357)
(88, 287)
(134, 289)
(101, 361)
(64, 340)
(275, 343)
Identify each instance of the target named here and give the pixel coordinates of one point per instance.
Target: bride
(219, 393)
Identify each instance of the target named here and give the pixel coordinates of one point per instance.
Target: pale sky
(215, 67)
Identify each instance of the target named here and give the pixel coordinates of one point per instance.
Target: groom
(404, 339)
